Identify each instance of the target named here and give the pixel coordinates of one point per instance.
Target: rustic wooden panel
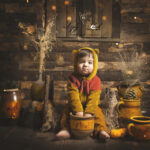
(102, 46)
(10, 46)
(134, 3)
(60, 92)
(140, 18)
(25, 17)
(146, 47)
(19, 7)
(12, 73)
(107, 24)
(71, 28)
(61, 19)
(116, 19)
(135, 31)
(100, 12)
(18, 1)
(93, 10)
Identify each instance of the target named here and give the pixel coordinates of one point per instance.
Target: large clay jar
(140, 127)
(126, 109)
(11, 103)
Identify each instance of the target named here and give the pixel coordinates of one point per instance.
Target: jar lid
(11, 90)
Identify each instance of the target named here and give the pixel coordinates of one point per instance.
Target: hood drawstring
(85, 85)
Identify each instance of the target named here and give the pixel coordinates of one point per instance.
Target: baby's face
(85, 65)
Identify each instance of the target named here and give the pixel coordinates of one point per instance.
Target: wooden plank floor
(17, 138)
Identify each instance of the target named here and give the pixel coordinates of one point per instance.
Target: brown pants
(99, 123)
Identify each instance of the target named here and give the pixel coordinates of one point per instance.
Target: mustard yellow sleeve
(92, 102)
(74, 99)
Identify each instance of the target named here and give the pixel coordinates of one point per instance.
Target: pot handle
(118, 106)
(130, 125)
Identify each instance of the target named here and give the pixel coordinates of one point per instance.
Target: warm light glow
(53, 7)
(27, 1)
(117, 43)
(69, 18)
(104, 18)
(25, 47)
(135, 17)
(144, 55)
(120, 45)
(13, 104)
(148, 82)
(66, 2)
(129, 72)
(14, 115)
(15, 96)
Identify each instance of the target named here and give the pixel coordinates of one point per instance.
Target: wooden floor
(18, 138)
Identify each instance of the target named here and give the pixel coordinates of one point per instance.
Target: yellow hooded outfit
(84, 94)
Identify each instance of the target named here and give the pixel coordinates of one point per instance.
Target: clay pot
(125, 87)
(37, 91)
(126, 109)
(81, 127)
(11, 103)
(140, 127)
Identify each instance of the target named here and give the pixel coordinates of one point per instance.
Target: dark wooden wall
(125, 28)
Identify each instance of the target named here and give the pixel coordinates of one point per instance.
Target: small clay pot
(37, 91)
(140, 127)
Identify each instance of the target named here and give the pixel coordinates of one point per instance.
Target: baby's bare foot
(63, 134)
(103, 135)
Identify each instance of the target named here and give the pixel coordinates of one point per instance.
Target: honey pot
(81, 127)
(10, 103)
(139, 128)
(126, 109)
(125, 88)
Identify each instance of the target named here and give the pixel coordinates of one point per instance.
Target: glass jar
(11, 103)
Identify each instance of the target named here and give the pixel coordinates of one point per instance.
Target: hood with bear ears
(95, 64)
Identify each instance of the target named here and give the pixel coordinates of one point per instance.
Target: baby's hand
(87, 115)
(79, 114)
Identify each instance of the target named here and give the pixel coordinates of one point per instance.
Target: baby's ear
(96, 50)
(74, 51)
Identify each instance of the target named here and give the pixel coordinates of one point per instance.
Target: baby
(84, 89)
